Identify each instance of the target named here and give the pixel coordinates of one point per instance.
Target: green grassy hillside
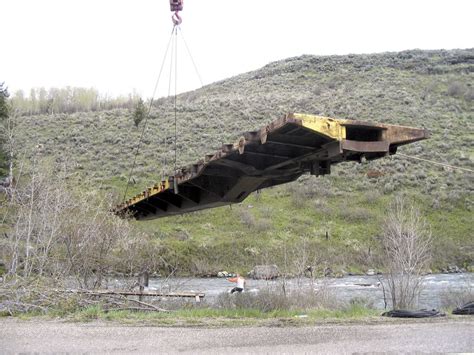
(284, 225)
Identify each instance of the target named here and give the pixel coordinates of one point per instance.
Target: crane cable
(191, 56)
(177, 20)
(436, 163)
(173, 70)
(164, 159)
(147, 116)
(176, 91)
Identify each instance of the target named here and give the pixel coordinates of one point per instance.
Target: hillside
(431, 89)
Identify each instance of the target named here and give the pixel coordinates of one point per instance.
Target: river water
(436, 287)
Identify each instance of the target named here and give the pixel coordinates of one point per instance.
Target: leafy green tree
(3, 101)
(43, 100)
(19, 101)
(140, 112)
(68, 100)
(4, 112)
(33, 109)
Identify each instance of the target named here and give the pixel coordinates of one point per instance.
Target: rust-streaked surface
(276, 154)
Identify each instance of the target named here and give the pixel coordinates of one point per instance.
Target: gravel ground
(18, 336)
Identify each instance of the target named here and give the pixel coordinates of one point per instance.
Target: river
(436, 287)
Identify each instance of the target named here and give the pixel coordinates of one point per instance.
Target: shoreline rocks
(264, 272)
(370, 272)
(453, 269)
(225, 274)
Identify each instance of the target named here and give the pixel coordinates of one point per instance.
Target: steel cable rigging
(176, 6)
(454, 167)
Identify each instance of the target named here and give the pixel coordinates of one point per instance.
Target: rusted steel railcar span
(277, 153)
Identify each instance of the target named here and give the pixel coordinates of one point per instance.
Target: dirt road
(99, 337)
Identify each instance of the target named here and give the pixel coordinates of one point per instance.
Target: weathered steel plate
(276, 154)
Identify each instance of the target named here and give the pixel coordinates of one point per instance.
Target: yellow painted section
(155, 189)
(324, 125)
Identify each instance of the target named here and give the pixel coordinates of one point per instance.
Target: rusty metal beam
(277, 153)
(268, 155)
(190, 193)
(273, 141)
(171, 199)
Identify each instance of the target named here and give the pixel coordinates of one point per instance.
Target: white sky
(117, 46)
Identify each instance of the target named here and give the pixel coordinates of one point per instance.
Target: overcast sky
(117, 46)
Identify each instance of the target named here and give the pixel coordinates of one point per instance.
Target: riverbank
(212, 317)
(437, 292)
(440, 335)
(302, 299)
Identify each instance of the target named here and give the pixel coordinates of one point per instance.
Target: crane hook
(176, 6)
(176, 19)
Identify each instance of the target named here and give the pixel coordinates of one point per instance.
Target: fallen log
(196, 295)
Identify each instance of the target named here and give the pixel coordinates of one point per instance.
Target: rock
(301, 316)
(453, 269)
(328, 272)
(264, 272)
(222, 274)
(370, 272)
(309, 271)
(5, 182)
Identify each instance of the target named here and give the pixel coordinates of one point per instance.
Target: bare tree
(60, 230)
(406, 243)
